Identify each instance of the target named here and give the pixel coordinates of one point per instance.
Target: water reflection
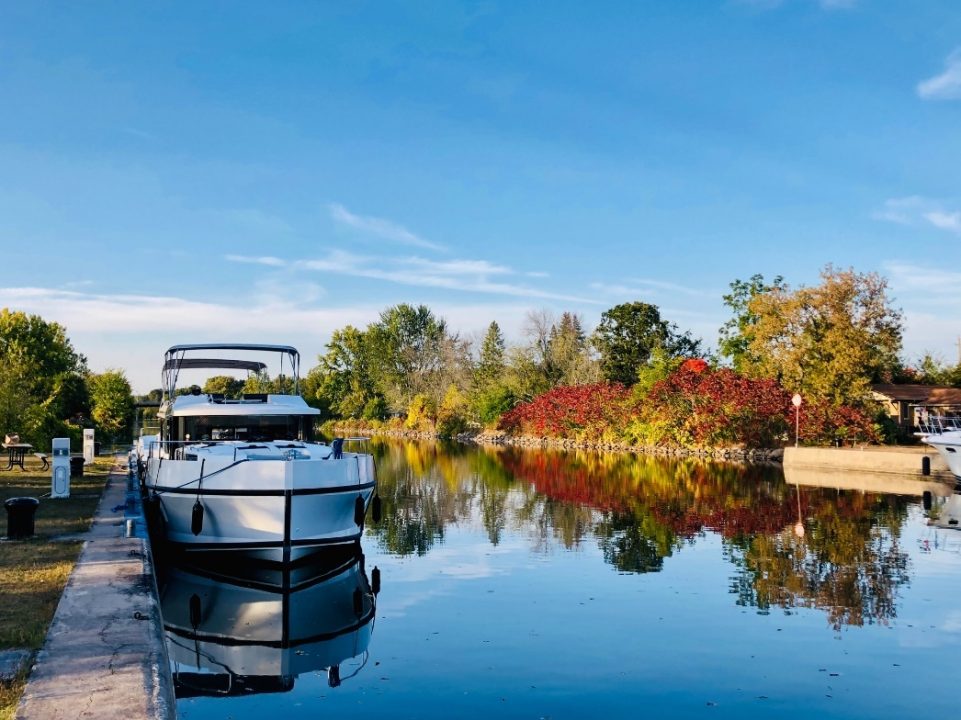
(944, 512)
(234, 627)
(836, 550)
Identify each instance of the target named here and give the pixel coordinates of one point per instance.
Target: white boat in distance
(943, 433)
(245, 473)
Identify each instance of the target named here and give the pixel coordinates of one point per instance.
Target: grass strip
(34, 572)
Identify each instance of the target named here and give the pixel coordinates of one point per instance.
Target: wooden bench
(42, 457)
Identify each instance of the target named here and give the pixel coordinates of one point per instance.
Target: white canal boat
(943, 433)
(245, 473)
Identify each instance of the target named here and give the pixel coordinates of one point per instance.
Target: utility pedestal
(89, 447)
(60, 468)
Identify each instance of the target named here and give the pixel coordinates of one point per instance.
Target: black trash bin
(76, 466)
(20, 511)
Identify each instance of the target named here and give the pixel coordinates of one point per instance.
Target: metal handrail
(939, 424)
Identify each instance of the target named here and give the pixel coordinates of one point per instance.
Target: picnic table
(15, 454)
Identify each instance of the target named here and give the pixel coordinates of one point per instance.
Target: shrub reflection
(641, 510)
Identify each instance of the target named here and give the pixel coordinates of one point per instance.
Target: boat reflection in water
(234, 627)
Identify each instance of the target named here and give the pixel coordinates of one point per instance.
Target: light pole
(796, 401)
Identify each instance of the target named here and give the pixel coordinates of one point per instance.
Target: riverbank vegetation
(637, 379)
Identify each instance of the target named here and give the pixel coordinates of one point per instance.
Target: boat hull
(948, 446)
(275, 510)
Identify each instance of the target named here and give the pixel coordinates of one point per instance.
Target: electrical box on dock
(60, 468)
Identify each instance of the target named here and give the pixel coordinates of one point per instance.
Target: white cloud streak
(460, 275)
(917, 210)
(947, 85)
(823, 4)
(643, 287)
(379, 227)
(945, 221)
(263, 260)
(132, 331)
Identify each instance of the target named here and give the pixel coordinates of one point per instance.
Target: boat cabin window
(246, 427)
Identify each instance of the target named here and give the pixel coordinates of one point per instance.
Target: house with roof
(904, 403)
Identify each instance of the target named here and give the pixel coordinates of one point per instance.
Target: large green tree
(41, 377)
(736, 334)
(226, 385)
(629, 333)
(342, 384)
(112, 404)
(569, 353)
(490, 364)
(828, 342)
(491, 396)
(407, 348)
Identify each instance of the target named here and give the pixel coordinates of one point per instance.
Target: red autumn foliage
(696, 365)
(695, 406)
(825, 424)
(702, 407)
(571, 410)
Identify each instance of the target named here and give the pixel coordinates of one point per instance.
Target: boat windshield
(247, 427)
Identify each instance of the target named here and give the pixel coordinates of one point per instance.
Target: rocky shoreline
(750, 455)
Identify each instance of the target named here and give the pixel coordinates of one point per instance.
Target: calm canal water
(568, 585)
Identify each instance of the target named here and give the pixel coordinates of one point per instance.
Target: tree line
(828, 342)
(47, 390)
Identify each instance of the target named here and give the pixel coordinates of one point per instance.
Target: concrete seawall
(898, 460)
(104, 655)
(877, 467)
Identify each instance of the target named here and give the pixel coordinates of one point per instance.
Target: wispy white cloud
(132, 331)
(917, 210)
(944, 220)
(823, 4)
(268, 260)
(932, 280)
(462, 275)
(379, 227)
(644, 287)
(932, 307)
(947, 85)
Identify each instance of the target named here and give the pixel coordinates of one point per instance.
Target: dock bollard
(131, 528)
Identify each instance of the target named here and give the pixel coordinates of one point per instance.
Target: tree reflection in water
(641, 510)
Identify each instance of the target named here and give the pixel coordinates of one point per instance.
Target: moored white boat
(245, 473)
(943, 433)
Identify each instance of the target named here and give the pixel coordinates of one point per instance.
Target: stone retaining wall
(527, 441)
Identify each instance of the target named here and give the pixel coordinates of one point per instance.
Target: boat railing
(935, 424)
(177, 449)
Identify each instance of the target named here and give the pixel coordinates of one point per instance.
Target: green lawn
(33, 572)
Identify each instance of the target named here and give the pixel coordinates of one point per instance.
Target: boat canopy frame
(175, 360)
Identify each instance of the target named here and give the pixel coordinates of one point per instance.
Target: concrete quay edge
(104, 654)
(899, 461)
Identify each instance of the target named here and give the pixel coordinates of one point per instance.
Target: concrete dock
(104, 655)
(905, 461)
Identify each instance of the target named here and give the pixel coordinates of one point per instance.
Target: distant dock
(896, 470)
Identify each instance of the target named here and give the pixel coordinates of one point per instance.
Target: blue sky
(183, 172)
